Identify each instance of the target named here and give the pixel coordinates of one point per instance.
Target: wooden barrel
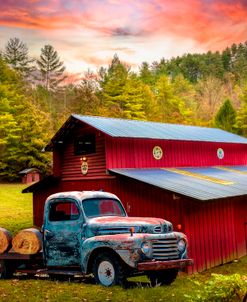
(27, 241)
(5, 240)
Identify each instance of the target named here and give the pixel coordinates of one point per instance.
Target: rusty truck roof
(82, 195)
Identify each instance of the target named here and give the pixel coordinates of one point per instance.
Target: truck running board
(49, 272)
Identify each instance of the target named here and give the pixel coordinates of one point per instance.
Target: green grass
(16, 213)
(15, 207)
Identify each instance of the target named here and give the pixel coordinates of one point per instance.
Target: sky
(87, 33)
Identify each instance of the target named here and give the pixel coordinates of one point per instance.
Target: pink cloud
(215, 24)
(92, 31)
(196, 19)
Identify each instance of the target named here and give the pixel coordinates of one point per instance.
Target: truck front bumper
(160, 265)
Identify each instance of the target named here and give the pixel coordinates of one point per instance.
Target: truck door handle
(49, 234)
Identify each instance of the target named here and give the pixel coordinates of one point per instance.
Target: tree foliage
(23, 128)
(242, 115)
(226, 117)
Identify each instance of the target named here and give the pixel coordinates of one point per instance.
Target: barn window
(84, 145)
(64, 210)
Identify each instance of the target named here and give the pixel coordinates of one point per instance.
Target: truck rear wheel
(108, 270)
(163, 277)
(6, 270)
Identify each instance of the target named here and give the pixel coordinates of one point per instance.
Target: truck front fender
(127, 250)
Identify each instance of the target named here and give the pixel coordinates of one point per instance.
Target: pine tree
(146, 74)
(16, 55)
(226, 117)
(123, 93)
(227, 59)
(112, 87)
(185, 91)
(133, 99)
(50, 67)
(172, 108)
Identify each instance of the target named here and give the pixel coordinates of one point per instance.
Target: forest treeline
(194, 89)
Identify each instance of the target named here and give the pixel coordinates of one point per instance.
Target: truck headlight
(182, 245)
(146, 248)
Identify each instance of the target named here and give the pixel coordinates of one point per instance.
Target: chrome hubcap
(106, 273)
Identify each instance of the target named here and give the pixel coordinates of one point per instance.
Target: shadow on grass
(130, 284)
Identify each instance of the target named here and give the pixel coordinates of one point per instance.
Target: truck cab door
(63, 233)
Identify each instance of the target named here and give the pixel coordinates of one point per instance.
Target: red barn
(195, 177)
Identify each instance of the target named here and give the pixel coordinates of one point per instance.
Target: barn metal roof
(198, 183)
(116, 127)
(28, 170)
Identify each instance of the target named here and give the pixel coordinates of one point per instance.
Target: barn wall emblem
(157, 152)
(220, 153)
(84, 166)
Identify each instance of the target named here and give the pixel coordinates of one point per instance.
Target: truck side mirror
(42, 229)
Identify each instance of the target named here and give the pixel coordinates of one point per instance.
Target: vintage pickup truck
(89, 232)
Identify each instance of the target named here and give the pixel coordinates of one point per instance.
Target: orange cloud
(90, 32)
(212, 23)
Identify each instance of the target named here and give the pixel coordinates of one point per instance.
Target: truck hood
(119, 225)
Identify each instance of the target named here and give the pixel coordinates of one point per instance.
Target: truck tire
(6, 270)
(163, 277)
(108, 270)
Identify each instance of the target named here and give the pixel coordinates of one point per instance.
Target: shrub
(220, 288)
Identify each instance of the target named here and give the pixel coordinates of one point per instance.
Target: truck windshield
(96, 207)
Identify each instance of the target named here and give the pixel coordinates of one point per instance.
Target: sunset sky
(87, 33)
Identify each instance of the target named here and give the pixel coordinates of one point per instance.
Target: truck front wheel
(163, 277)
(108, 270)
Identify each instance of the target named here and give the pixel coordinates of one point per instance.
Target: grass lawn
(15, 207)
(16, 213)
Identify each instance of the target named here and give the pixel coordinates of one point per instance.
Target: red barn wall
(211, 228)
(240, 218)
(138, 153)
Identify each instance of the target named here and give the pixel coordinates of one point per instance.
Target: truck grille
(165, 249)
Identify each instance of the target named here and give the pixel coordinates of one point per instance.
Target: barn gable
(130, 144)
